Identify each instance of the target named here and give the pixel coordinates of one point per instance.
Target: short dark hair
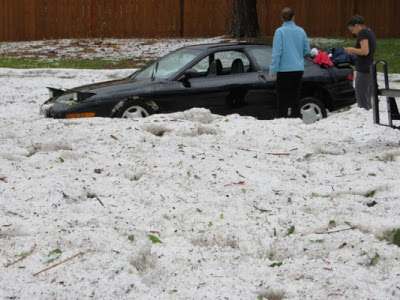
(357, 19)
(287, 14)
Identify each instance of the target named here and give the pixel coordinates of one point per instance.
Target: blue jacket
(289, 47)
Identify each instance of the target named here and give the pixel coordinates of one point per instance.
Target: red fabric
(323, 59)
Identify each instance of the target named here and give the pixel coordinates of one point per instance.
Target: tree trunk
(245, 20)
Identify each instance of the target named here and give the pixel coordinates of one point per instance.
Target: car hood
(113, 86)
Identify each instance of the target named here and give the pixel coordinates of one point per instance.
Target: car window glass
(203, 65)
(227, 57)
(263, 56)
(168, 65)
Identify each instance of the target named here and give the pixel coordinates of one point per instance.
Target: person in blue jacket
(290, 44)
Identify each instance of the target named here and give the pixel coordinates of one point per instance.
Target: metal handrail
(375, 104)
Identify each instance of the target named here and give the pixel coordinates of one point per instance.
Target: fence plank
(6, 23)
(381, 16)
(3, 21)
(207, 18)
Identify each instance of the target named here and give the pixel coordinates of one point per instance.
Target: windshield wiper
(153, 75)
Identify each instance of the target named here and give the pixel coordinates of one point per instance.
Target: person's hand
(272, 76)
(348, 50)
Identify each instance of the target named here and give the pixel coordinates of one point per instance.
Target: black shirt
(364, 62)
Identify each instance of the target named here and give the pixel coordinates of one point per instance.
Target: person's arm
(363, 51)
(306, 43)
(277, 47)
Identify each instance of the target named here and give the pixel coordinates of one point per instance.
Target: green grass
(28, 63)
(387, 49)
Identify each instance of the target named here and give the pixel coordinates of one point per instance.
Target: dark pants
(288, 85)
(363, 87)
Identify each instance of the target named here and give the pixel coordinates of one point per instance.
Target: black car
(224, 78)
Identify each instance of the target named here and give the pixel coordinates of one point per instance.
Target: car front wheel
(312, 110)
(134, 110)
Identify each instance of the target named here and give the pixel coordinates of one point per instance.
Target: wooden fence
(53, 19)
(328, 18)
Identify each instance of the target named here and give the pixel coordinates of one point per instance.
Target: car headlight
(53, 92)
(81, 96)
(45, 109)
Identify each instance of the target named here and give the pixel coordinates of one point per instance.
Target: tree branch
(22, 258)
(61, 262)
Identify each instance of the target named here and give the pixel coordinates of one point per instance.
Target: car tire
(312, 110)
(134, 110)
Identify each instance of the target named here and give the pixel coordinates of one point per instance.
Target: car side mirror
(190, 73)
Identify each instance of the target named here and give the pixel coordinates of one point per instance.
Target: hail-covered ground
(192, 205)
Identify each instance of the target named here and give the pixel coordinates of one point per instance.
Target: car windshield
(168, 65)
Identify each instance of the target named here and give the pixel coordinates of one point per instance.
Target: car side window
(263, 57)
(227, 59)
(202, 66)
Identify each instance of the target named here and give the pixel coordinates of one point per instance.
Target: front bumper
(46, 107)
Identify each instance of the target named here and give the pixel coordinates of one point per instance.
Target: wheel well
(150, 103)
(319, 93)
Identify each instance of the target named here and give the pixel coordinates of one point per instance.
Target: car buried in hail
(227, 79)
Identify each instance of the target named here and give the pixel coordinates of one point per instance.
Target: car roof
(223, 45)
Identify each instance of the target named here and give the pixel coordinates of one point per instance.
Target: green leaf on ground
(55, 251)
(276, 264)
(291, 230)
(396, 238)
(374, 260)
(54, 255)
(154, 239)
(370, 194)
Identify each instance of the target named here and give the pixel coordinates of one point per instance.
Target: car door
(261, 98)
(205, 90)
(247, 90)
(255, 95)
(224, 91)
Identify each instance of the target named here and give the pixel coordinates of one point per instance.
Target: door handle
(261, 77)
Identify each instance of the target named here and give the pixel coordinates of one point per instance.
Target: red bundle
(323, 59)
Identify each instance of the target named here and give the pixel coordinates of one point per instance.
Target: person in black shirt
(365, 50)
